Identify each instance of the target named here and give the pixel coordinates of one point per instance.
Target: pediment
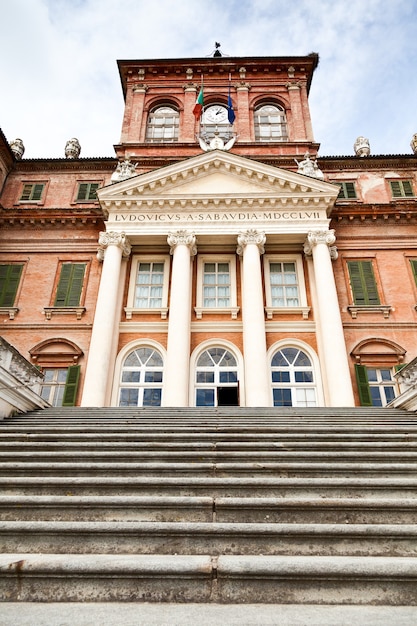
(215, 177)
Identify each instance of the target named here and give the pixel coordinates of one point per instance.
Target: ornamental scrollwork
(112, 238)
(182, 237)
(246, 237)
(315, 237)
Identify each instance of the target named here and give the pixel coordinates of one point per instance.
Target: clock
(216, 114)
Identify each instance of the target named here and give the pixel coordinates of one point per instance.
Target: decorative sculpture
(72, 149)
(413, 143)
(17, 148)
(309, 167)
(124, 170)
(216, 143)
(362, 147)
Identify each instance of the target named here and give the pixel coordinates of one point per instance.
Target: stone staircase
(201, 510)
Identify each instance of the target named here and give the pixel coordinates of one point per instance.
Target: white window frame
(200, 309)
(381, 384)
(216, 343)
(274, 310)
(304, 347)
(127, 349)
(130, 309)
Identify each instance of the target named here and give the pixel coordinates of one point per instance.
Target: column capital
(315, 237)
(113, 238)
(246, 237)
(182, 237)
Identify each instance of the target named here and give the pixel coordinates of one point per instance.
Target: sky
(60, 79)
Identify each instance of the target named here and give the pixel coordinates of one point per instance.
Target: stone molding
(182, 237)
(113, 238)
(251, 236)
(316, 237)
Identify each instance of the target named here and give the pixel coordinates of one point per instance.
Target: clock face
(215, 114)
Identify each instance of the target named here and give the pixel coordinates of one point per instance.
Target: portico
(218, 205)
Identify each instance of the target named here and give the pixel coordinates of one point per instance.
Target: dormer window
(163, 124)
(270, 123)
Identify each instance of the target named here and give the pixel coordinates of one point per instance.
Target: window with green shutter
(363, 385)
(401, 189)
(9, 283)
(87, 191)
(414, 268)
(363, 283)
(70, 284)
(32, 192)
(71, 386)
(347, 191)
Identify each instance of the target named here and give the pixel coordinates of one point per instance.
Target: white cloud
(60, 76)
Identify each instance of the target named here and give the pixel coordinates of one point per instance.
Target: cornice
(383, 161)
(106, 164)
(56, 217)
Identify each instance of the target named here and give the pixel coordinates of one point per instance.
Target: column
(188, 124)
(257, 384)
(297, 114)
(243, 121)
(334, 358)
(177, 366)
(113, 246)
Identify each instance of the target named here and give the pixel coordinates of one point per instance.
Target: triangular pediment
(218, 176)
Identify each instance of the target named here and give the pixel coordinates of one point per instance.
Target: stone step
(207, 469)
(204, 614)
(215, 487)
(204, 455)
(307, 510)
(35, 447)
(203, 578)
(214, 538)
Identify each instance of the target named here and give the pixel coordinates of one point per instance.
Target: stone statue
(309, 167)
(362, 147)
(413, 143)
(216, 143)
(72, 149)
(124, 170)
(17, 148)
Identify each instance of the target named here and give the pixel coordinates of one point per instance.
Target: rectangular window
(70, 286)
(149, 285)
(347, 191)
(363, 283)
(60, 385)
(32, 192)
(9, 282)
(216, 284)
(87, 191)
(401, 189)
(284, 284)
(376, 386)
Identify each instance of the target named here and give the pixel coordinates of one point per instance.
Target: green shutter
(9, 283)
(362, 281)
(407, 189)
(347, 191)
(414, 268)
(401, 189)
(32, 191)
(363, 385)
(71, 386)
(87, 191)
(70, 284)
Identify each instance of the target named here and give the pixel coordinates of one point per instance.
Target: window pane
(205, 377)
(131, 376)
(129, 397)
(303, 377)
(280, 377)
(152, 397)
(228, 377)
(376, 396)
(153, 377)
(282, 397)
(205, 397)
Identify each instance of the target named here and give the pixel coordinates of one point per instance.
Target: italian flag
(199, 103)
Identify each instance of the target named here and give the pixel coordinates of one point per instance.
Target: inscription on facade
(242, 216)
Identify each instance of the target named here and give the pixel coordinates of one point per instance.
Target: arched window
(163, 123)
(141, 378)
(270, 123)
(293, 382)
(216, 378)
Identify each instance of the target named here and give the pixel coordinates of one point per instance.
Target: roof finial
(217, 52)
